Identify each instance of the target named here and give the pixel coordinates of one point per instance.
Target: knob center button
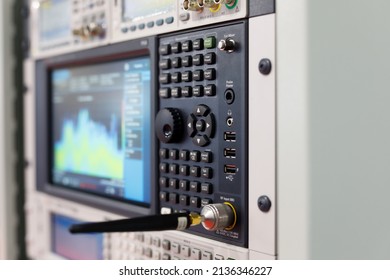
(169, 125)
(167, 130)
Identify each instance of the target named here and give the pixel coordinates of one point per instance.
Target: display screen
(74, 247)
(101, 129)
(54, 23)
(139, 10)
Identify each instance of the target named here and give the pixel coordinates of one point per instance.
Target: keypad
(187, 179)
(195, 60)
(143, 245)
(188, 71)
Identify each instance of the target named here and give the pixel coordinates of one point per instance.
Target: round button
(200, 125)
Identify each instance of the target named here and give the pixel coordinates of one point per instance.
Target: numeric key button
(195, 201)
(187, 61)
(184, 170)
(163, 153)
(165, 78)
(173, 154)
(187, 91)
(176, 77)
(166, 244)
(195, 171)
(207, 172)
(209, 58)
(176, 92)
(163, 182)
(205, 201)
(163, 196)
(173, 168)
(198, 90)
(183, 200)
(173, 183)
(176, 47)
(197, 60)
(187, 46)
(195, 254)
(206, 157)
(194, 186)
(198, 75)
(183, 185)
(164, 49)
(198, 44)
(194, 156)
(163, 167)
(164, 92)
(206, 188)
(165, 64)
(207, 256)
(209, 74)
(176, 62)
(187, 76)
(173, 198)
(210, 90)
(184, 155)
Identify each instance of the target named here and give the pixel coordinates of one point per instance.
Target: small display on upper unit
(140, 10)
(55, 23)
(101, 129)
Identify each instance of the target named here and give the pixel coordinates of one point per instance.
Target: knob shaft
(227, 45)
(169, 125)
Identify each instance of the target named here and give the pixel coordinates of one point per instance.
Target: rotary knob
(227, 45)
(169, 125)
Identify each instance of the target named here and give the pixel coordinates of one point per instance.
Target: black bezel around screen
(144, 48)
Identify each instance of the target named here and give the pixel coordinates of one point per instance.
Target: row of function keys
(173, 247)
(184, 200)
(187, 91)
(186, 170)
(188, 45)
(188, 61)
(186, 155)
(185, 185)
(150, 24)
(150, 247)
(188, 76)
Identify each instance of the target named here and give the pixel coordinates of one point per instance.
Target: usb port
(229, 136)
(230, 169)
(229, 153)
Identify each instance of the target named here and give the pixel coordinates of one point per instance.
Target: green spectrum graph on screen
(89, 148)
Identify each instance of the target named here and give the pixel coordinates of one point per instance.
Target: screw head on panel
(264, 203)
(265, 66)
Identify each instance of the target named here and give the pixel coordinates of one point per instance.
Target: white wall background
(333, 102)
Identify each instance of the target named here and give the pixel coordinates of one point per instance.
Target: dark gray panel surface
(261, 7)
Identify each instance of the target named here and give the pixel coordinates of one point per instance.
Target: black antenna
(177, 221)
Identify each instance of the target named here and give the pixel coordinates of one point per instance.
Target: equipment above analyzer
(60, 26)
